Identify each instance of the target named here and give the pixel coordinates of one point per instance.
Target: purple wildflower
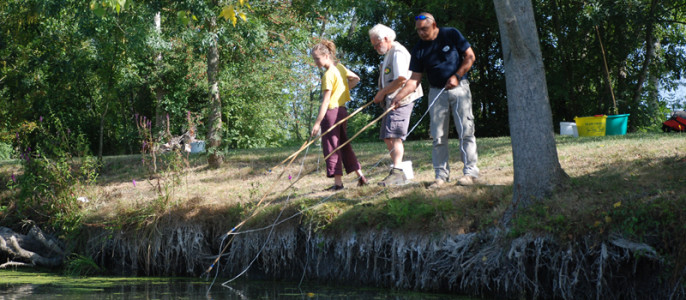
(134, 182)
(40, 119)
(17, 135)
(289, 177)
(14, 179)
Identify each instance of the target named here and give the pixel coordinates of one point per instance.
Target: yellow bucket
(591, 126)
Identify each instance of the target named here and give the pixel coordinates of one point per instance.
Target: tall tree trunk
(569, 105)
(353, 25)
(102, 130)
(324, 22)
(537, 170)
(311, 115)
(654, 97)
(650, 53)
(159, 91)
(296, 122)
(214, 134)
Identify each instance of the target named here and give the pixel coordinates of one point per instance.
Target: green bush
(56, 165)
(5, 151)
(359, 121)
(79, 265)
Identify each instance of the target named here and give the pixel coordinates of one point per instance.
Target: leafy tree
(59, 63)
(571, 34)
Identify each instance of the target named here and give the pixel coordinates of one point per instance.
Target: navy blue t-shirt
(439, 58)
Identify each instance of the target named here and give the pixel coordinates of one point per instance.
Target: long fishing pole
(257, 209)
(360, 131)
(376, 120)
(292, 158)
(329, 130)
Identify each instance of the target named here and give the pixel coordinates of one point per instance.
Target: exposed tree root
(485, 263)
(171, 250)
(32, 249)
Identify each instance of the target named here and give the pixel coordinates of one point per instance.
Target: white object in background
(82, 199)
(407, 169)
(568, 128)
(198, 146)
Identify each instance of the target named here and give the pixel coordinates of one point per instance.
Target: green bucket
(616, 124)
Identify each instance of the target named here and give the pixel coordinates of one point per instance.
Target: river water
(20, 284)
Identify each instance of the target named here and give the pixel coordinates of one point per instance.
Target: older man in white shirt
(393, 73)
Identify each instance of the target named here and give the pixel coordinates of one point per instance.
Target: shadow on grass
(617, 197)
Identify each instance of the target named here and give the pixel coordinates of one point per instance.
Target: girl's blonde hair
(325, 47)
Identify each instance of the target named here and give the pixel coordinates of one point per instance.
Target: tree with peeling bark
(537, 170)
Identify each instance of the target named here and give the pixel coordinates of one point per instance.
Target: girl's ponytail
(326, 47)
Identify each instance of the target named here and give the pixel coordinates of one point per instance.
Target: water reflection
(192, 289)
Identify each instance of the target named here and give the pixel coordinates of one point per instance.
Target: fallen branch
(32, 249)
(15, 264)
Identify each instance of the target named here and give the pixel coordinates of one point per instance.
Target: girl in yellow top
(336, 84)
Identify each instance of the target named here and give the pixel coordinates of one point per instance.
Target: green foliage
(6, 151)
(413, 211)
(358, 122)
(165, 170)
(577, 85)
(660, 217)
(408, 210)
(97, 63)
(538, 218)
(56, 168)
(79, 265)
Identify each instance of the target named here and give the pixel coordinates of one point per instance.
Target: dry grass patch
(603, 171)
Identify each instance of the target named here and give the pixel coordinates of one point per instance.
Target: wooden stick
(305, 145)
(607, 72)
(360, 131)
(292, 158)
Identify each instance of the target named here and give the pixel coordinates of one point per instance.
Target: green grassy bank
(630, 185)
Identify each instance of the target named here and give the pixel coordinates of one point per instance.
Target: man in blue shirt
(446, 57)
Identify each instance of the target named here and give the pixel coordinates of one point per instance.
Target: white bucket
(568, 128)
(198, 146)
(407, 169)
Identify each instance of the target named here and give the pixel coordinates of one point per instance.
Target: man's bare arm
(389, 89)
(409, 87)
